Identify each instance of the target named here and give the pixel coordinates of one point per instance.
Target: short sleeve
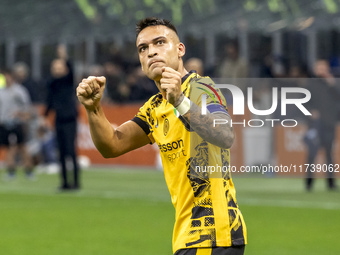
(141, 119)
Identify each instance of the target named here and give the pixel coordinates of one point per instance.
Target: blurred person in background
(33, 144)
(297, 76)
(140, 86)
(114, 81)
(298, 71)
(15, 111)
(195, 64)
(61, 99)
(41, 142)
(273, 66)
(48, 147)
(233, 66)
(22, 75)
(115, 55)
(325, 96)
(96, 69)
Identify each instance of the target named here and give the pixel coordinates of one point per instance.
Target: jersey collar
(187, 75)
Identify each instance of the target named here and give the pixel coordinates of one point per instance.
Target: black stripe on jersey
(156, 100)
(142, 124)
(192, 251)
(185, 123)
(201, 211)
(233, 250)
(211, 236)
(187, 75)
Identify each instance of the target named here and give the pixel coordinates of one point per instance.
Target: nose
(152, 51)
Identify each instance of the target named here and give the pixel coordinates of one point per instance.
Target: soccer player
(208, 220)
(15, 111)
(323, 121)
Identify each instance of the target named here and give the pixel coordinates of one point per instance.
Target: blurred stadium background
(124, 206)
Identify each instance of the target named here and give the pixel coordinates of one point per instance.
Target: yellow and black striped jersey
(207, 214)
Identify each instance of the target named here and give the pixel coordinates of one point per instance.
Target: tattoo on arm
(221, 135)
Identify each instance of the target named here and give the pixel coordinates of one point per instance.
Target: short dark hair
(153, 21)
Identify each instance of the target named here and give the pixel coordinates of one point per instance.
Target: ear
(181, 50)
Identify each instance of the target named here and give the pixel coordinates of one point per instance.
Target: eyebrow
(153, 40)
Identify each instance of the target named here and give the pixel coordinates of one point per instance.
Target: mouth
(154, 62)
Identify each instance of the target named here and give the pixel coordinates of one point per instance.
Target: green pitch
(128, 212)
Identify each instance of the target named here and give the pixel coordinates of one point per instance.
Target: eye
(160, 42)
(142, 49)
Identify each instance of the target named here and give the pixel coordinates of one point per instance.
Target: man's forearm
(220, 135)
(102, 131)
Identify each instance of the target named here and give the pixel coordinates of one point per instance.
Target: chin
(155, 74)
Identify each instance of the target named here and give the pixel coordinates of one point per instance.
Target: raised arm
(219, 135)
(109, 141)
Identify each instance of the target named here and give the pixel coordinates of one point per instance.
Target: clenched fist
(90, 91)
(171, 82)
